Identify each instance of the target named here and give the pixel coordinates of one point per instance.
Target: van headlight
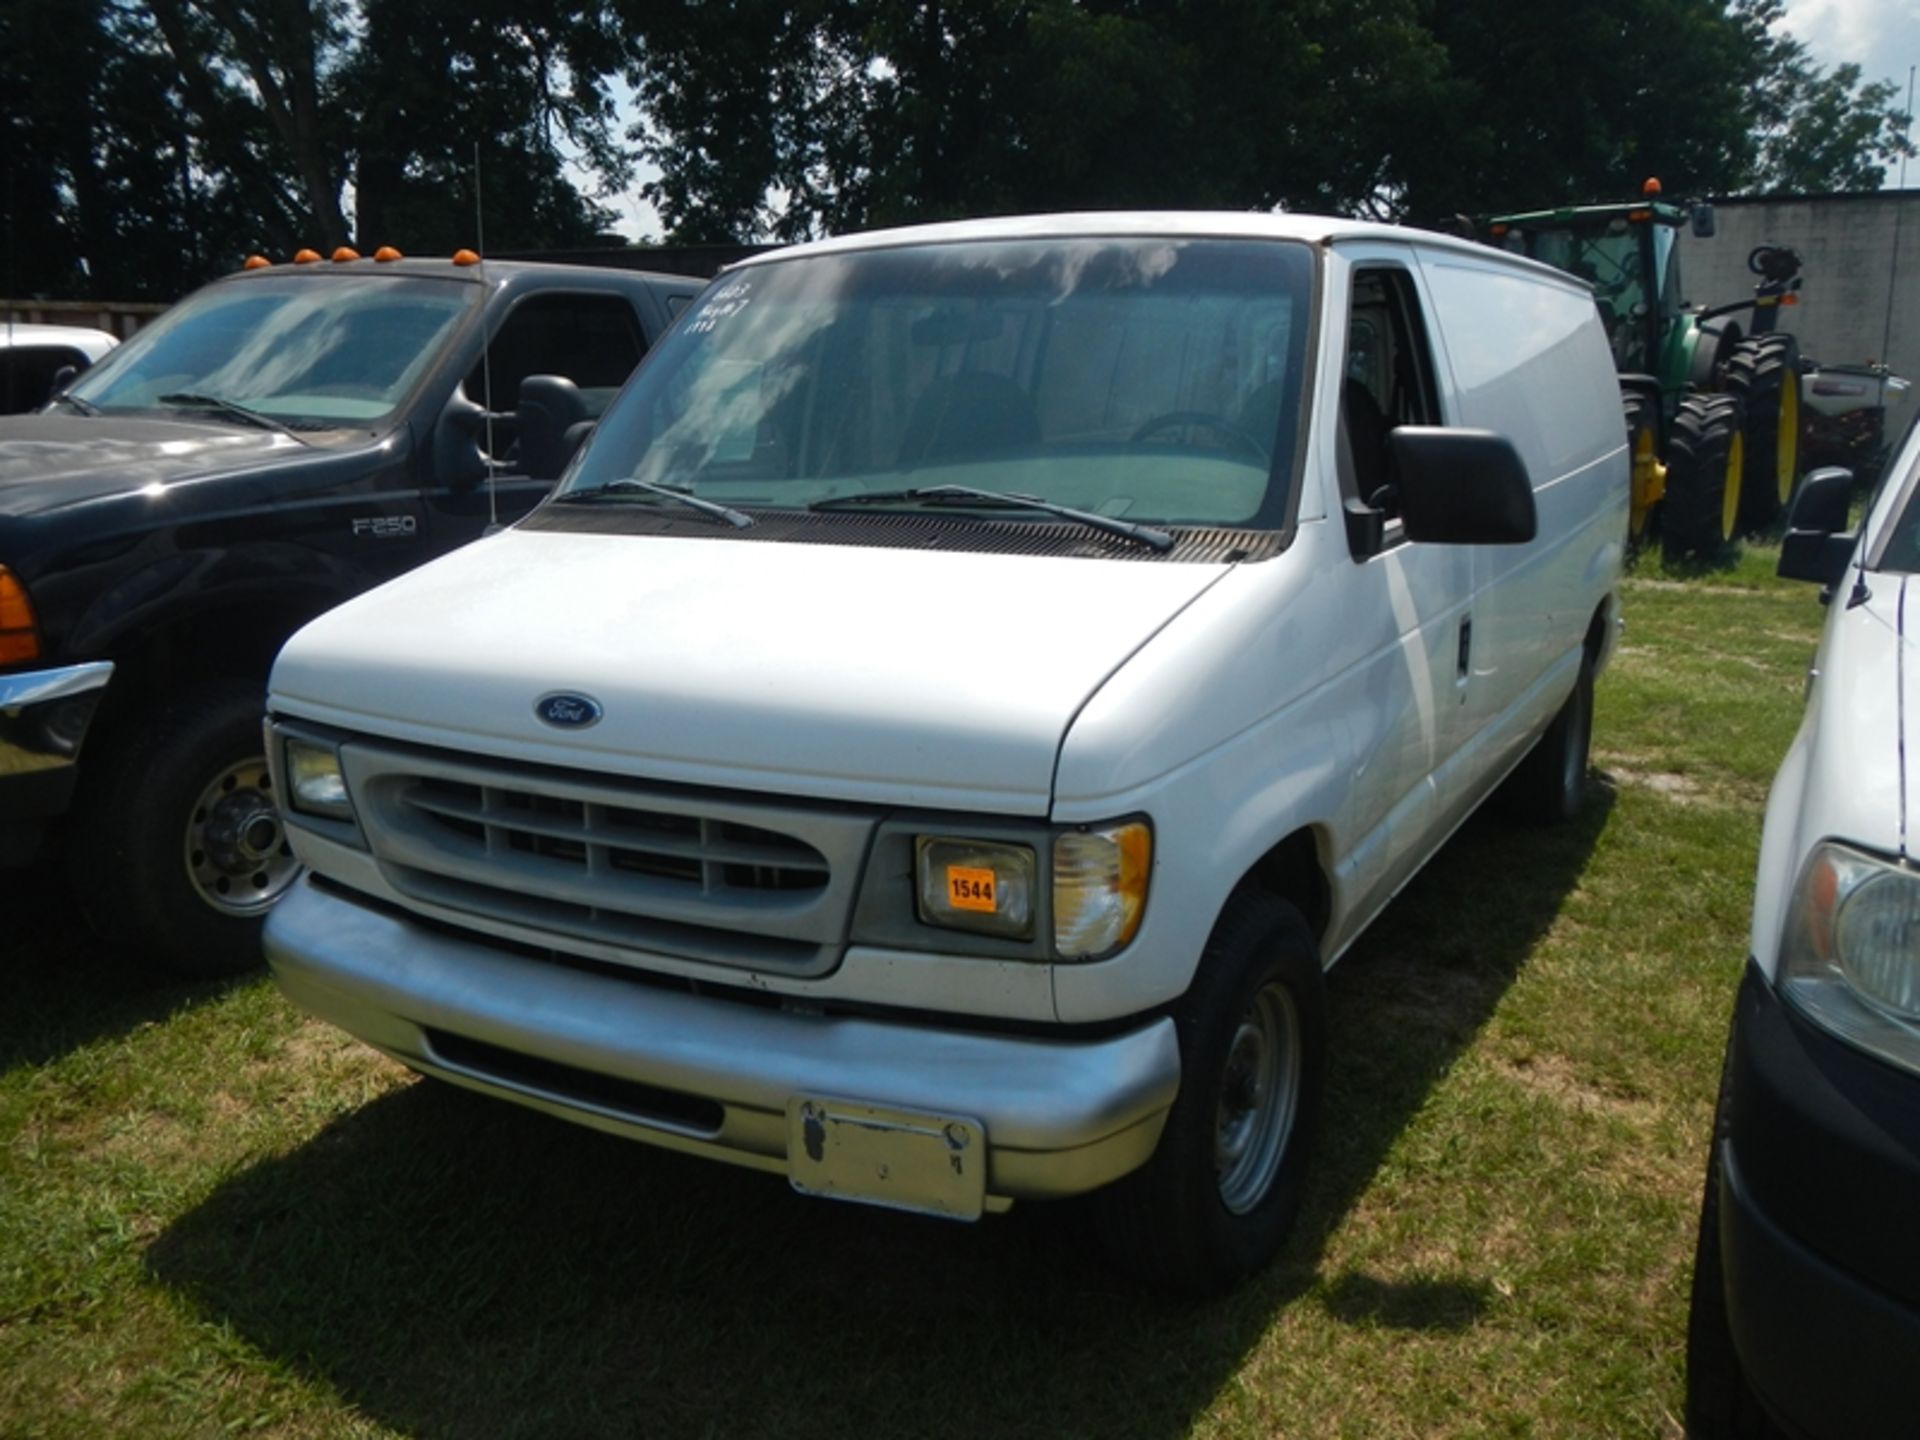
(1092, 907)
(1850, 959)
(975, 885)
(315, 782)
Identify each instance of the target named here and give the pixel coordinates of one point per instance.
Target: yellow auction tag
(970, 889)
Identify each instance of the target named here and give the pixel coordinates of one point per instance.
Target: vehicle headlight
(1099, 888)
(1851, 955)
(315, 784)
(975, 885)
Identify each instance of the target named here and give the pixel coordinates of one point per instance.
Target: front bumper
(44, 716)
(710, 1075)
(1819, 1184)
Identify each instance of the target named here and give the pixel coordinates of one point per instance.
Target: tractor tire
(1705, 454)
(1646, 477)
(1764, 375)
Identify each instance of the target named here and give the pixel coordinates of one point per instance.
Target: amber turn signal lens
(19, 637)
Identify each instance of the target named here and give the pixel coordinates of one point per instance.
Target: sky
(1881, 36)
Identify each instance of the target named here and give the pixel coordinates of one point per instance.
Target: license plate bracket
(899, 1159)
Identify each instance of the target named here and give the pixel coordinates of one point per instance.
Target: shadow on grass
(452, 1266)
(66, 987)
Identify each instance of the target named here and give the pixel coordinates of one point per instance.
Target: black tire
(1550, 785)
(153, 867)
(1721, 1404)
(1704, 461)
(1187, 1220)
(1764, 375)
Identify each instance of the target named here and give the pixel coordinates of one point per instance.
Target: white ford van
(968, 688)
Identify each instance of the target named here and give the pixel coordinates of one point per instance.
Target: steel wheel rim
(237, 856)
(1259, 1098)
(1786, 450)
(1730, 492)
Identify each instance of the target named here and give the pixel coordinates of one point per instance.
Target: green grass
(216, 1216)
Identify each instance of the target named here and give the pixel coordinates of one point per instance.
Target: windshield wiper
(85, 407)
(1148, 535)
(230, 407)
(738, 519)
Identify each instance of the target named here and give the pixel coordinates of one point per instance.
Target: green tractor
(1713, 407)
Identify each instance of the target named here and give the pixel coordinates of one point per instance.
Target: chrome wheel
(237, 853)
(1259, 1097)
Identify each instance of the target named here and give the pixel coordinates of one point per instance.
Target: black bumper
(44, 716)
(1820, 1223)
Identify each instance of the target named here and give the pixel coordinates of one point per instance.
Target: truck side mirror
(553, 424)
(1700, 218)
(1461, 487)
(458, 461)
(1817, 544)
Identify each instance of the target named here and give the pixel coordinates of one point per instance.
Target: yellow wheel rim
(1786, 449)
(1649, 479)
(1730, 492)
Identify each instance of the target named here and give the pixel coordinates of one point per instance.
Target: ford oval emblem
(567, 711)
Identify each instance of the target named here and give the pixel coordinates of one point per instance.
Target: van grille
(706, 876)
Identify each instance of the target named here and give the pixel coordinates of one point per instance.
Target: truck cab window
(592, 340)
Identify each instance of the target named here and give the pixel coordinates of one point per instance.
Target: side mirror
(1700, 218)
(553, 424)
(458, 461)
(1461, 487)
(1817, 545)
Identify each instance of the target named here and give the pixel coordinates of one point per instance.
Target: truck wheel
(1550, 785)
(1764, 375)
(178, 847)
(1705, 458)
(1225, 1184)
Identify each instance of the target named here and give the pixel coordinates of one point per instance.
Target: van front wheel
(1225, 1184)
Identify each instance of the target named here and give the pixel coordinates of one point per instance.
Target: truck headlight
(315, 784)
(1099, 888)
(1850, 960)
(975, 885)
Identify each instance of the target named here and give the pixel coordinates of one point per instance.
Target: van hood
(892, 676)
(51, 460)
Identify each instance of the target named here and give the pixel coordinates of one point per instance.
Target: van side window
(1387, 380)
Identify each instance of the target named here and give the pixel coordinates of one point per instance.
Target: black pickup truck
(277, 442)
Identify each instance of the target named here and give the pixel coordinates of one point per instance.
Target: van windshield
(1144, 379)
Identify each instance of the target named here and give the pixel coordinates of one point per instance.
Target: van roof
(1217, 224)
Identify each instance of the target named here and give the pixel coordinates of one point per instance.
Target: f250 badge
(567, 711)
(385, 527)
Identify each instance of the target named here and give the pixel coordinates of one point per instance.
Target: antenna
(486, 342)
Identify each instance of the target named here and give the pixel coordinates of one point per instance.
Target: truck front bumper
(1819, 1181)
(746, 1080)
(44, 715)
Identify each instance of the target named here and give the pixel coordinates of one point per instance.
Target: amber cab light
(1650, 186)
(257, 262)
(386, 255)
(345, 253)
(19, 637)
(465, 257)
(306, 257)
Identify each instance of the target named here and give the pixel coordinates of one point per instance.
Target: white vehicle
(32, 356)
(972, 682)
(1806, 1299)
